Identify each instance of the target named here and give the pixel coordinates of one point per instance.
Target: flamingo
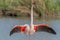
(30, 30)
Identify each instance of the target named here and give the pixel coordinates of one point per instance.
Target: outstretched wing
(17, 28)
(45, 28)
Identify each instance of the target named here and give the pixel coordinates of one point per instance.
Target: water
(6, 25)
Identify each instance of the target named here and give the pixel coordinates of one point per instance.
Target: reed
(40, 6)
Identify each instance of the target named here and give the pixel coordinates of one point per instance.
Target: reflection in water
(6, 25)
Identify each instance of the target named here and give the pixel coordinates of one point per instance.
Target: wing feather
(45, 28)
(17, 29)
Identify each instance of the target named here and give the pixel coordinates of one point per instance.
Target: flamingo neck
(31, 13)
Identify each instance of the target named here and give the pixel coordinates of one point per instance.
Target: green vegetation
(40, 6)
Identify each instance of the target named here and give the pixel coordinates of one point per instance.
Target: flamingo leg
(28, 37)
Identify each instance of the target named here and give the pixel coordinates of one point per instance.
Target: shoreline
(37, 18)
(17, 14)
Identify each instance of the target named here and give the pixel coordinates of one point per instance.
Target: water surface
(6, 25)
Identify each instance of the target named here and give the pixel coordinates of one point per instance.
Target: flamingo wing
(17, 28)
(45, 28)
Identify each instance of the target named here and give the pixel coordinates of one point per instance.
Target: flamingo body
(29, 30)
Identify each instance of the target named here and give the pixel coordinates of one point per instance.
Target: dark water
(6, 25)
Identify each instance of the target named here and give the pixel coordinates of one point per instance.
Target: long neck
(31, 13)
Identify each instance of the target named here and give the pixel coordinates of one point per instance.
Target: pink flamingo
(33, 28)
(30, 30)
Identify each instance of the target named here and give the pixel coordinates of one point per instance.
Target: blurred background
(17, 12)
(21, 8)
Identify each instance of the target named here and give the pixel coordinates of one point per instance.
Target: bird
(26, 29)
